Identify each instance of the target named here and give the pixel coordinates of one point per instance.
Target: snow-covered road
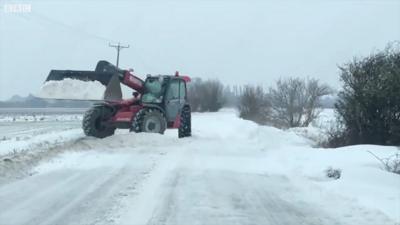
(231, 172)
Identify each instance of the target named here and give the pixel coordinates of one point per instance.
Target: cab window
(153, 90)
(173, 90)
(182, 90)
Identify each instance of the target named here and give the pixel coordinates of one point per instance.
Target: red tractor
(158, 103)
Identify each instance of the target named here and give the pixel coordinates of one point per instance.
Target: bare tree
(254, 104)
(214, 98)
(295, 101)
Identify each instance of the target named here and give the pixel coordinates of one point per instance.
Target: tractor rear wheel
(94, 122)
(149, 121)
(185, 129)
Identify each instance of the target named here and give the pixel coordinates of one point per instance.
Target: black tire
(150, 121)
(137, 121)
(185, 129)
(93, 122)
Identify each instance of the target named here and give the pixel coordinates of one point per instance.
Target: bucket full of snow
(72, 89)
(81, 85)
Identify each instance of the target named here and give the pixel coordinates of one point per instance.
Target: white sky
(238, 42)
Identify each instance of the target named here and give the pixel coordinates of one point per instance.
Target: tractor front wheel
(94, 122)
(185, 129)
(149, 121)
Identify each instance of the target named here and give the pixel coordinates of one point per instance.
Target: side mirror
(135, 94)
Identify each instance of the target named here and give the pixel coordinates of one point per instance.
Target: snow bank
(72, 89)
(225, 125)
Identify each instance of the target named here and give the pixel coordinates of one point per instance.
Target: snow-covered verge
(363, 180)
(230, 171)
(72, 89)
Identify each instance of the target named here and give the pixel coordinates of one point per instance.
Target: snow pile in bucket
(72, 89)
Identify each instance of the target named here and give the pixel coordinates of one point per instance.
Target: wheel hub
(152, 125)
(98, 124)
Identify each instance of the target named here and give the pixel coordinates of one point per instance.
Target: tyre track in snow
(139, 209)
(230, 198)
(224, 197)
(197, 188)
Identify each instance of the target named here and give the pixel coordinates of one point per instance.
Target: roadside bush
(333, 173)
(368, 107)
(206, 96)
(295, 101)
(254, 104)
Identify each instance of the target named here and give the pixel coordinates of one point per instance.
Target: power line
(42, 19)
(118, 47)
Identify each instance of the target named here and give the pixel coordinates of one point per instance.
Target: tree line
(293, 102)
(367, 109)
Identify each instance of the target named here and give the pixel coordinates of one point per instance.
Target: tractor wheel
(185, 129)
(149, 121)
(93, 122)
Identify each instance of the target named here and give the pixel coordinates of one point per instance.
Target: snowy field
(29, 129)
(231, 171)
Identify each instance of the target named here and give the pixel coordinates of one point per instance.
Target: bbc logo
(17, 8)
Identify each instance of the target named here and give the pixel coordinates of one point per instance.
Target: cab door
(172, 100)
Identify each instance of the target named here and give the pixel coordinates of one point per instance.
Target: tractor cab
(167, 92)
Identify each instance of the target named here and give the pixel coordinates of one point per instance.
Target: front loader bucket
(58, 75)
(81, 85)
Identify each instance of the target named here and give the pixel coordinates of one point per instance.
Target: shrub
(254, 104)
(333, 173)
(368, 107)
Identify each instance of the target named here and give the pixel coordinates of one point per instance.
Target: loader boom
(132, 81)
(125, 76)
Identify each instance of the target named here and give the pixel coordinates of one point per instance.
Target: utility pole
(118, 47)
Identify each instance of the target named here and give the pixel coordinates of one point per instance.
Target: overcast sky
(238, 42)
